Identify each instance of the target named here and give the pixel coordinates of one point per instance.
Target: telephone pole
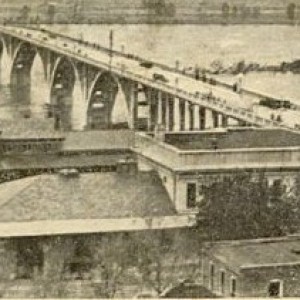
(111, 40)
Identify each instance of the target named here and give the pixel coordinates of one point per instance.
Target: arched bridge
(83, 82)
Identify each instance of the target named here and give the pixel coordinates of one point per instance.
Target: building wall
(207, 261)
(7, 261)
(255, 281)
(205, 179)
(251, 282)
(176, 184)
(28, 147)
(166, 175)
(56, 278)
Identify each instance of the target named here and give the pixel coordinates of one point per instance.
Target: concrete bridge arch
(108, 102)
(5, 61)
(66, 96)
(22, 61)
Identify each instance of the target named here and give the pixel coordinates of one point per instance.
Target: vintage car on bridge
(275, 103)
(146, 64)
(160, 77)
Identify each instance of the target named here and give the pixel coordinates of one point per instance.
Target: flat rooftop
(28, 128)
(234, 139)
(55, 161)
(270, 252)
(96, 140)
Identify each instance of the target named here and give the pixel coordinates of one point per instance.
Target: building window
(232, 287)
(211, 276)
(80, 265)
(222, 282)
(275, 288)
(191, 195)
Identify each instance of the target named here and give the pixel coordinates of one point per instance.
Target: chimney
(127, 166)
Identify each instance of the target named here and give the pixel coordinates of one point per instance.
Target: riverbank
(248, 67)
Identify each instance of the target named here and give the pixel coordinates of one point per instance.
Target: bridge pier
(167, 112)
(224, 121)
(202, 112)
(215, 117)
(209, 119)
(187, 116)
(196, 113)
(159, 108)
(133, 105)
(6, 66)
(176, 115)
(151, 99)
(149, 105)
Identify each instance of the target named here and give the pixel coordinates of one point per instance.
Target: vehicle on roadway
(275, 103)
(160, 77)
(146, 64)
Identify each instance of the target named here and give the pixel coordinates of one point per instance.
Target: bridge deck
(223, 100)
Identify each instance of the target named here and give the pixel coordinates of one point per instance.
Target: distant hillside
(151, 11)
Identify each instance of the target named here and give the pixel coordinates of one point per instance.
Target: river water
(189, 45)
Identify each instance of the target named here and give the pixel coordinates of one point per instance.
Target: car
(52, 35)
(275, 104)
(160, 77)
(146, 64)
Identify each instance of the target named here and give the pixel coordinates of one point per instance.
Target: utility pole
(111, 40)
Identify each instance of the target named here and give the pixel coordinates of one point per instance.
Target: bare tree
(291, 11)
(225, 10)
(162, 260)
(111, 261)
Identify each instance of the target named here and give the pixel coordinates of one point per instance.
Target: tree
(240, 207)
(111, 262)
(291, 11)
(51, 13)
(57, 250)
(234, 11)
(225, 10)
(256, 12)
(171, 10)
(162, 258)
(24, 14)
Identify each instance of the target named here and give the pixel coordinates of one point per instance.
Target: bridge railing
(208, 99)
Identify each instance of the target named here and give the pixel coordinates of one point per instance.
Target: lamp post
(111, 40)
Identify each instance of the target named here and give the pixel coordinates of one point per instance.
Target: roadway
(242, 107)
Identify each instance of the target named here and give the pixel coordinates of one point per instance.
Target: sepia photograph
(149, 149)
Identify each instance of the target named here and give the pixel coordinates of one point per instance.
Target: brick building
(253, 268)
